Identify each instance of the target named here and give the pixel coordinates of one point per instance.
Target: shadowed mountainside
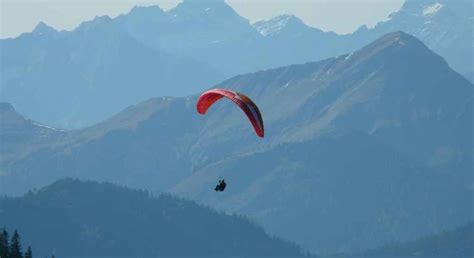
(88, 219)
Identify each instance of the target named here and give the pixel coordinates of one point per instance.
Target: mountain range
(83, 76)
(361, 150)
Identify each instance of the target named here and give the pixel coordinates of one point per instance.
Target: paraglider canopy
(245, 103)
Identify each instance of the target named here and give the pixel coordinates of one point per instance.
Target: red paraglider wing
(245, 103)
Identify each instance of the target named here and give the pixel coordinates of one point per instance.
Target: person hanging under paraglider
(221, 186)
(251, 110)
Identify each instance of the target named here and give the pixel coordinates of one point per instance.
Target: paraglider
(221, 186)
(209, 97)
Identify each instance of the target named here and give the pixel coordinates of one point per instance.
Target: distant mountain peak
(276, 24)
(362, 28)
(43, 28)
(154, 8)
(398, 35)
(202, 5)
(203, 15)
(203, 2)
(284, 18)
(102, 19)
(425, 8)
(394, 45)
(416, 5)
(98, 22)
(396, 38)
(429, 9)
(146, 11)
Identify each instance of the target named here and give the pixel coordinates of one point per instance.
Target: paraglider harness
(221, 186)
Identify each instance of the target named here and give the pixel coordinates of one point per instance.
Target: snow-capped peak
(276, 24)
(432, 9)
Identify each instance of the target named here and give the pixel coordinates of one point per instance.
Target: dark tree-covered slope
(77, 218)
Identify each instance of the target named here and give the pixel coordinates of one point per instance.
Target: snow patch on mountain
(47, 127)
(432, 9)
(273, 25)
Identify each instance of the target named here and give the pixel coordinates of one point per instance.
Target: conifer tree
(15, 246)
(4, 245)
(29, 253)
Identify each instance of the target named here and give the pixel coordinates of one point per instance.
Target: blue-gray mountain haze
(361, 150)
(83, 76)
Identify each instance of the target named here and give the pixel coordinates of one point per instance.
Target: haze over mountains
(360, 150)
(83, 76)
(371, 145)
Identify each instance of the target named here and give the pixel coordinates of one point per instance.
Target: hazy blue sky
(342, 16)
